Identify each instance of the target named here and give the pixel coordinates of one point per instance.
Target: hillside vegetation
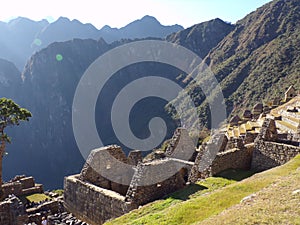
(258, 60)
(272, 197)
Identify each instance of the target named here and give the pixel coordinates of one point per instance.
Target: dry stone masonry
(110, 184)
(21, 185)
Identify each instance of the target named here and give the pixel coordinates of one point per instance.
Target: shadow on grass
(236, 175)
(186, 192)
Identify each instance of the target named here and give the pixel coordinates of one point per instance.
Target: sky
(118, 13)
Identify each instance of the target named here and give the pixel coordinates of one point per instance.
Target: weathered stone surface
(135, 157)
(21, 185)
(93, 204)
(12, 188)
(230, 159)
(181, 145)
(267, 155)
(27, 182)
(106, 166)
(12, 212)
(206, 156)
(156, 179)
(267, 152)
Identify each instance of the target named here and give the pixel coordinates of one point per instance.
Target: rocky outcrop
(203, 37)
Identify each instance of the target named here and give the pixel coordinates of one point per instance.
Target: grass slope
(217, 201)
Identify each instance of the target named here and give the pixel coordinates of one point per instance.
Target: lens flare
(59, 57)
(37, 42)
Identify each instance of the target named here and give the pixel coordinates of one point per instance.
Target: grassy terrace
(36, 197)
(217, 201)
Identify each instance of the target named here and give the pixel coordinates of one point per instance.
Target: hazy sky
(118, 13)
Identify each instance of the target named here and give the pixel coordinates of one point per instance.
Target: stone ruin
(268, 150)
(21, 185)
(93, 197)
(111, 184)
(13, 211)
(220, 154)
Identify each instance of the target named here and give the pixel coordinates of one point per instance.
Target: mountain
(258, 60)
(21, 37)
(148, 26)
(10, 79)
(201, 38)
(16, 39)
(64, 29)
(48, 89)
(49, 145)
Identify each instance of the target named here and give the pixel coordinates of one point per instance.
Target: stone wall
(93, 204)
(21, 185)
(267, 155)
(111, 185)
(156, 179)
(181, 145)
(12, 188)
(106, 167)
(232, 159)
(207, 154)
(12, 212)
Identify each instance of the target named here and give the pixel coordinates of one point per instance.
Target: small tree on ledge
(10, 115)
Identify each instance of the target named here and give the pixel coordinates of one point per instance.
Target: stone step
(291, 120)
(285, 127)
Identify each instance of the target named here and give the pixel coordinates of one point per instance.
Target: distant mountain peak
(149, 18)
(63, 19)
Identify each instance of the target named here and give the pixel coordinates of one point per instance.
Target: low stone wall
(93, 204)
(12, 188)
(5, 217)
(27, 182)
(267, 155)
(232, 159)
(21, 185)
(38, 188)
(154, 180)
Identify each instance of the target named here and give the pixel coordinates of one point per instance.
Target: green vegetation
(60, 192)
(207, 199)
(37, 197)
(11, 114)
(256, 62)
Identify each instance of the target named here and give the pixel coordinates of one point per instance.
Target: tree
(11, 114)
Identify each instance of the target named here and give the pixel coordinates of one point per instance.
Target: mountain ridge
(258, 60)
(18, 47)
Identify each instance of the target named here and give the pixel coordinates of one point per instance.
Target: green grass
(206, 199)
(60, 192)
(275, 204)
(236, 175)
(37, 197)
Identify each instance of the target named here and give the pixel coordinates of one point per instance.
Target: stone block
(27, 182)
